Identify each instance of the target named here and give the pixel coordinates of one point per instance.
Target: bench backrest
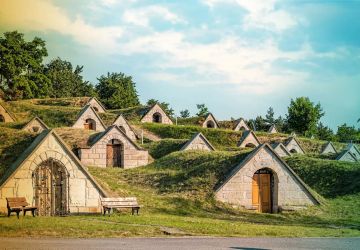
(17, 202)
(126, 201)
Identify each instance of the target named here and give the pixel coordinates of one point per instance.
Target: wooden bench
(127, 202)
(18, 204)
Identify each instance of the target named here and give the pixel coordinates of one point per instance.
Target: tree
(184, 113)
(66, 81)
(21, 68)
(303, 115)
(325, 133)
(164, 105)
(116, 90)
(269, 117)
(202, 110)
(347, 133)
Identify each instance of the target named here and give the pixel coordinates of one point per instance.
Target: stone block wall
(89, 114)
(120, 122)
(34, 126)
(96, 155)
(293, 145)
(198, 144)
(84, 196)
(156, 109)
(288, 192)
(98, 108)
(5, 114)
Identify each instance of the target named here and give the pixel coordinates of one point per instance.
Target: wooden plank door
(255, 192)
(265, 194)
(109, 156)
(86, 126)
(117, 155)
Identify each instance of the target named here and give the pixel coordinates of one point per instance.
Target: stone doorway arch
(114, 153)
(210, 124)
(51, 184)
(2, 118)
(90, 124)
(157, 118)
(264, 191)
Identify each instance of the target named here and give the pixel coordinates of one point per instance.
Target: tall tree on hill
(116, 91)
(67, 81)
(303, 115)
(325, 133)
(347, 133)
(202, 110)
(21, 68)
(184, 113)
(269, 117)
(164, 105)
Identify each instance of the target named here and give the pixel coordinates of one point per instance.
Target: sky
(239, 57)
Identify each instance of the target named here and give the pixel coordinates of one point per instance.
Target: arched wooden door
(51, 188)
(114, 153)
(262, 191)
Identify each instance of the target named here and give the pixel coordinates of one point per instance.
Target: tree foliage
(324, 133)
(116, 91)
(347, 133)
(184, 113)
(66, 81)
(269, 117)
(21, 68)
(303, 115)
(202, 110)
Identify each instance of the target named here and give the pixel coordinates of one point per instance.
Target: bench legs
(32, 212)
(135, 209)
(16, 211)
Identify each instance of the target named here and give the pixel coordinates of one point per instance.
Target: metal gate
(51, 188)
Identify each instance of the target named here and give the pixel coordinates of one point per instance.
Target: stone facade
(5, 116)
(35, 125)
(328, 149)
(289, 192)
(272, 130)
(156, 114)
(210, 122)
(281, 150)
(89, 113)
(293, 146)
(248, 139)
(83, 192)
(241, 125)
(198, 142)
(354, 150)
(347, 155)
(98, 107)
(122, 123)
(131, 156)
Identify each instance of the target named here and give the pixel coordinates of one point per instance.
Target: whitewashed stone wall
(84, 196)
(157, 109)
(121, 122)
(96, 155)
(287, 191)
(34, 126)
(89, 114)
(209, 118)
(94, 103)
(293, 145)
(241, 126)
(249, 139)
(329, 149)
(281, 151)
(198, 144)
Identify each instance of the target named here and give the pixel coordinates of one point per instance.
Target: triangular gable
(273, 154)
(272, 129)
(241, 124)
(198, 142)
(292, 144)
(89, 112)
(35, 122)
(147, 116)
(354, 150)
(107, 131)
(32, 150)
(328, 148)
(210, 117)
(248, 137)
(281, 150)
(94, 102)
(6, 114)
(346, 155)
(121, 121)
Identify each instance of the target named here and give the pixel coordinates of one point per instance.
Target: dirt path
(147, 134)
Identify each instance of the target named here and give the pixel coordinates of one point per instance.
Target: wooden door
(261, 192)
(113, 155)
(86, 126)
(255, 192)
(265, 195)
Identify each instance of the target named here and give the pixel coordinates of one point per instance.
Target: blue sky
(238, 57)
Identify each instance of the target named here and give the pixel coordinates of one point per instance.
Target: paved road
(182, 243)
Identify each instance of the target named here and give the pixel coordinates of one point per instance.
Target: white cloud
(43, 16)
(261, 14)
(142, 16)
